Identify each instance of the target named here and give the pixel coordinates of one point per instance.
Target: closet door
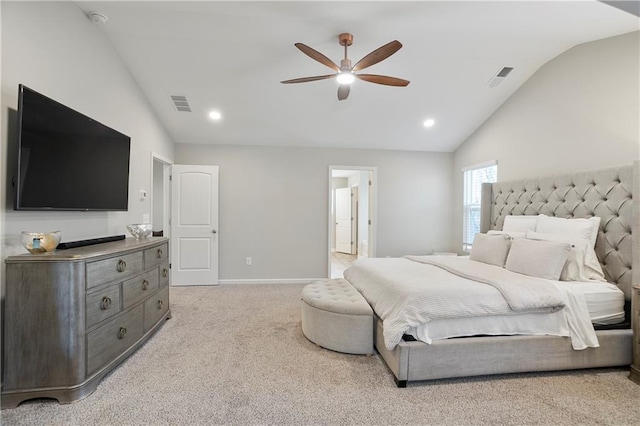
(194, 225)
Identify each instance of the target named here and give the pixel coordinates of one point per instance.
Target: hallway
(340, 262)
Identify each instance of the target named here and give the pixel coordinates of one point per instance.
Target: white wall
(53, 48)
(274, 205)
(579, 111)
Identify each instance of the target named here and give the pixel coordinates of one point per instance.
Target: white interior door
(343, 220)
(194, 225)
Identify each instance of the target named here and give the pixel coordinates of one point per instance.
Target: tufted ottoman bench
(337, 317)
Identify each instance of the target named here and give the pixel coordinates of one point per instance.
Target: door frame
(373, 209)
(166, 191)
(355, 222)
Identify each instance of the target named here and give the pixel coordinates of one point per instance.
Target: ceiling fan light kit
(345, 73)
(345, 77)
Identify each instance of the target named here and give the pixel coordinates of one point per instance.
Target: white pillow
(574, 268)
(537, 258)
(491, 249)
(520, 223)
(576, 228)
(511, 234)
(582, 228)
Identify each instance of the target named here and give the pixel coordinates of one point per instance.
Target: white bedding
(605, 303)
(409, 307)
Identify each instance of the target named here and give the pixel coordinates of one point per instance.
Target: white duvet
(409, 292)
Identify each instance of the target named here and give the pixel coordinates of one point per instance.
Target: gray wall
(53, 48)
(274, 205)
(577, 112)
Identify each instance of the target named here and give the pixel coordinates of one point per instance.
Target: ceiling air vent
(181, 103)
(501, 75)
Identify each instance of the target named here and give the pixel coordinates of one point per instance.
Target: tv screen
(66, 160)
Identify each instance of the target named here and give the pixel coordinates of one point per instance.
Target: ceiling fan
(345, 73)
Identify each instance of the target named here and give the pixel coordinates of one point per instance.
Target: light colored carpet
(237, 355)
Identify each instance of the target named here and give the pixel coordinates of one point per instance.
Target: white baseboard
(270, 281)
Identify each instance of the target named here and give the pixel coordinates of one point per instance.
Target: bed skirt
(476, 356)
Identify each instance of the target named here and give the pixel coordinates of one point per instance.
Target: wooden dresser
(71, 316)
(635, 318)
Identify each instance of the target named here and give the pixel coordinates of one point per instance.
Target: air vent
(181, 103)
(504, 72)
(501, 75)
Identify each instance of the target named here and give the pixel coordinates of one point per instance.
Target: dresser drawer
(137, 288)
(155, 256)
(155, 308)
(164, 274)
(102, 304)
(110, 340)
(113, 268)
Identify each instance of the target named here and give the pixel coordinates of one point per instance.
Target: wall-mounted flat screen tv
(66, 160)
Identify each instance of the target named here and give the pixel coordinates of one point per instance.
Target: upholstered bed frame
(609, 193)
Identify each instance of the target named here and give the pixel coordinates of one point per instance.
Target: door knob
(214, 232)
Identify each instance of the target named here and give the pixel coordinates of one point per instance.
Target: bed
(445, 349)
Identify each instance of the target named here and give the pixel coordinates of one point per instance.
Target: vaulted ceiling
(231, 57)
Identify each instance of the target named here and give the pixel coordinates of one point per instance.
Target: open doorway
(351, 227)
(160, 194)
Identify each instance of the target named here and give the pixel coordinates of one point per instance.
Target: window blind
(474, 177)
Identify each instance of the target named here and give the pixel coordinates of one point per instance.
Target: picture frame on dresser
(72, 316)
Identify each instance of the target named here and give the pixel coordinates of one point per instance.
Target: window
(474, 177)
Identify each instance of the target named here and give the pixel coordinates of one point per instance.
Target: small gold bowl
(40, 242)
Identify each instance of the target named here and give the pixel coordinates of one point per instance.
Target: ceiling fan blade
(383, 79)
(306, 79)
(315, 55)
(343, 92)
(378, 55)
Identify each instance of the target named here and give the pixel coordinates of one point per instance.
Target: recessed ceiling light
(215, 115)
(429, 122)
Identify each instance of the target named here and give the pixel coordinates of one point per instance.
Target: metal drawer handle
(165, 273)
(122, 333)
(160, 304)
(122, 265)
(160, 253)
(106, 303)
(145, 284)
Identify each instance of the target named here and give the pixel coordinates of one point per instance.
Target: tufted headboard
(609, 193)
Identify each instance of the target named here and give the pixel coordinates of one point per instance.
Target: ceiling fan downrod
(346, 40)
